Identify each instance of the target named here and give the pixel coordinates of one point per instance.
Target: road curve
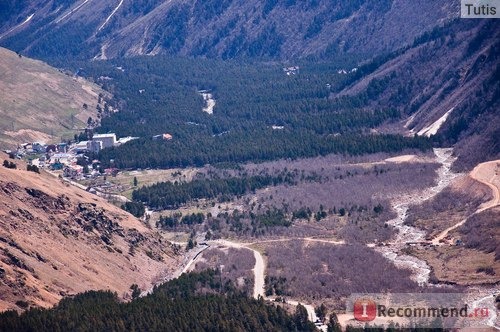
(260, 267)
(486, 174)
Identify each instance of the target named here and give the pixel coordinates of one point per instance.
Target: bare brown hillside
(57, 240)
(454, 204)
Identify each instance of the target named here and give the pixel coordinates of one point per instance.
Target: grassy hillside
(39, 102)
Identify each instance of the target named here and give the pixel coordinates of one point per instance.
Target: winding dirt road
(260, 267)
(488, 174)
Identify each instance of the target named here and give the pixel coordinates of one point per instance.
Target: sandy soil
(402, 159)
(489, 174)
(29, 135)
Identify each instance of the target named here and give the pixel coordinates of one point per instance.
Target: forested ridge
(193, 302)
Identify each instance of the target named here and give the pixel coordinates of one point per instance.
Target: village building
(94, 146)
(81, 147)
(108, 140)
(166, 137)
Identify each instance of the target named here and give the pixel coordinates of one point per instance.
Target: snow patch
(19, 25)
(72, 11)
(28, 19)
(111, 15)
(209, 100)
(102, 55)
(433, 128)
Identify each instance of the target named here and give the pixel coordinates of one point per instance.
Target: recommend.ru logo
(419, 310)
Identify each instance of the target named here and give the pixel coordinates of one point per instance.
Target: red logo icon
(365, 310)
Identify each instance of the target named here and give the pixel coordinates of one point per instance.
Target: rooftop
(104, 135)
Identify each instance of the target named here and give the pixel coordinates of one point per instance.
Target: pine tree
(333, 324)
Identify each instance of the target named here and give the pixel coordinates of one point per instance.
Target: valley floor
(400, 249)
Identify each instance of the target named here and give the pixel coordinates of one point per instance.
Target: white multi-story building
(108, 140)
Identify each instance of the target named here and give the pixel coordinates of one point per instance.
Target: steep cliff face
(215, 28)
(57, 240)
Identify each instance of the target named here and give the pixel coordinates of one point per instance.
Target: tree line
(193, 302)
(245, 146)
(168, 195)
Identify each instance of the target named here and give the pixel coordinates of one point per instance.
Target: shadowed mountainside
(224, 29)
(445, 83)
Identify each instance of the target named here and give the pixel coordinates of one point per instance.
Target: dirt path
(486, 173)
(306, 239)
(260, 267)
(258, 271)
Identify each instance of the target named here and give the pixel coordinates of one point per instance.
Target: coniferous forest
(167, 195)
(263, 111)
(193, 302)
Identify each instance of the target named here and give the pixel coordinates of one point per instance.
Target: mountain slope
(57, 240)
(41, 103)
(215, 28)
(446, 83)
